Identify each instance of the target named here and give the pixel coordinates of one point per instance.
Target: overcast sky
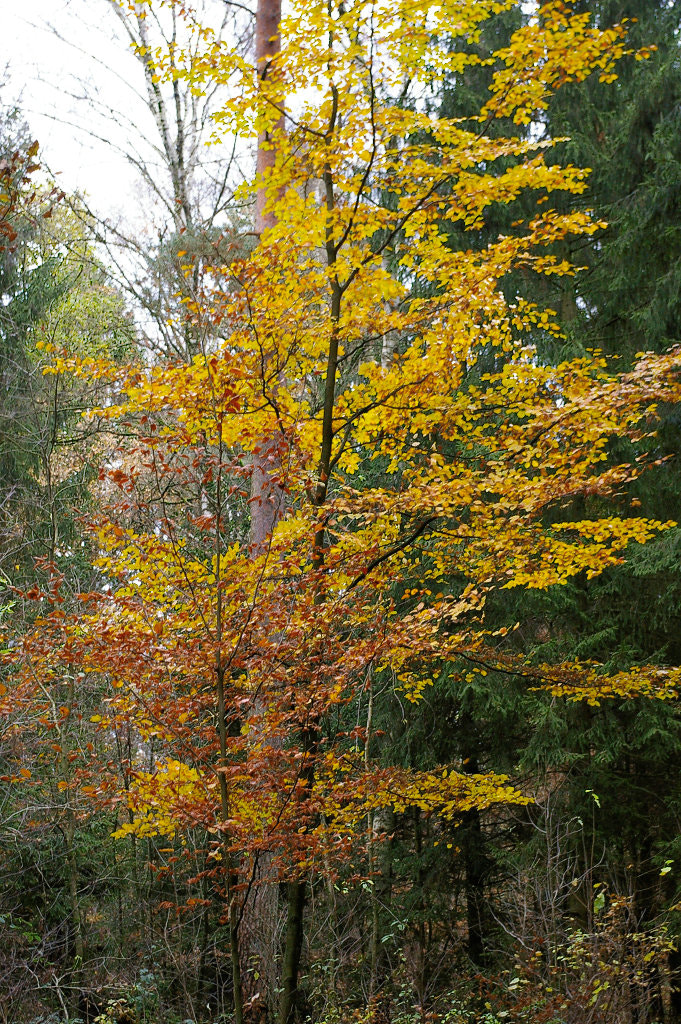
(57, 51)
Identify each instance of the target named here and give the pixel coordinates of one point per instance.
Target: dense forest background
(562, 909)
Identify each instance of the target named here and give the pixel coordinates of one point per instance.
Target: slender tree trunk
(76, 979)
(72, 873)
(380, 870)
(266, 495)
(259, 917)
(381, 896)
(309, 731)
(476, 863)
(296, 892)
(237, 986)
(267, 46)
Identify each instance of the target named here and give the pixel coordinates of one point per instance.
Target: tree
(28, 286)
(627, 137)
(162, 129)
(192, 192)
(625, 300)
(480, 447)
(54, 295)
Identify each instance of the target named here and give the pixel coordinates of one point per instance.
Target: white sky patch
(58, 53)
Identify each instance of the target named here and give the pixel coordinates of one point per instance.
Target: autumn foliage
(422, 454)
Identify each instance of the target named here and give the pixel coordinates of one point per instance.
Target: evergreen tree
(628, 298)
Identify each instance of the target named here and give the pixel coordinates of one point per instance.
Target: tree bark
(381, 864)
(266, 495)
(260, 912)
(292, 951)
(267, 46)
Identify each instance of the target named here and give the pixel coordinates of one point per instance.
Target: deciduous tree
(480, 447)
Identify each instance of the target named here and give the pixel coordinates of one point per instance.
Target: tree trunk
(267, 46)
(292, 951)
(476, 859)
(260, 912)
(266, 495)
(475, 872)
(381, 865)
